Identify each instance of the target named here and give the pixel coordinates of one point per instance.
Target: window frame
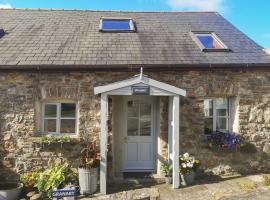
(58, 118)
(215, 37)
(131, 25)
(215, 117)
(139, 118)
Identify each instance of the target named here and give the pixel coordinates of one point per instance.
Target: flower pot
(187, 178)
(168, 180)
(88, 180)
(10, 191)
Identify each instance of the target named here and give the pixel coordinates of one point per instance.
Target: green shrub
(266, 180)
(29, 179)
(247, 185)
(248, 148)
(167, 169)
(55, 176)
(53, 139)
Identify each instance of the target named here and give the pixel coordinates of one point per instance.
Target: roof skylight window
(209, 41)
(116, 25)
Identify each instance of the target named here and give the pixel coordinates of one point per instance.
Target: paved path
(231, 188)
(261, 195)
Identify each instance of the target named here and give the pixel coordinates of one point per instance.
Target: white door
(139, 137)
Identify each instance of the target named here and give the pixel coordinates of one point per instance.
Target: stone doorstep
(136, 181)
(158, 179)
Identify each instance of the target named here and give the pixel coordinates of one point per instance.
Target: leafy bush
(248, 148)
(55, 176)
(266, 180)
(247, 185)
(53, 139)
(90, 157)
(167, 169)
(29, 179)
(51, 178)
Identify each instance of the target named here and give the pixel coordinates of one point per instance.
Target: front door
(139, 134)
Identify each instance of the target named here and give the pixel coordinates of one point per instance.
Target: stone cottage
(148, 84)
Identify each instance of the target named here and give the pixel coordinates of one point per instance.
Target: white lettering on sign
(63, 193)
(140, 90)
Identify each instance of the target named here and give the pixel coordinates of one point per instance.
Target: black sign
(140, 90)
(63, 193)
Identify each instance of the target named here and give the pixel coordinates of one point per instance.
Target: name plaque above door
(140, 90)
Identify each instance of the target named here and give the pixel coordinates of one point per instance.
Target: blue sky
(251, 17)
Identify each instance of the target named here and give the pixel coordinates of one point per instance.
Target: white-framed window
(59, 118)
(216, 113)
(209, 41)
(116, 25)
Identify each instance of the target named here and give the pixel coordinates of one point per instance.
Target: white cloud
(195, 5)
(5, 6)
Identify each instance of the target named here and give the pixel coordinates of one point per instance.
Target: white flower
(190, 165)
(186, 155)
(184, 165)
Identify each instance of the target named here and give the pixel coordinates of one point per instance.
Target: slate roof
(71, 39)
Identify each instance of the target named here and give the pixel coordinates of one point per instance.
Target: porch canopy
(141, 85)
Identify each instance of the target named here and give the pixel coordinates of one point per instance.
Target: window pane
(67, 126)
(49, 125)
(50, 110)
(133, 109)
(209, 41)
(208, 125)
(222, 124)
(208, 107)
(145, 110)
(221, 107)
(145, 126)
(132, 127)
(116, 24)
(68, 110)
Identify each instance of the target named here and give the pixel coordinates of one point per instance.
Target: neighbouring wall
(22, 93)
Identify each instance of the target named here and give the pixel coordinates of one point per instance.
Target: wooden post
(170, 126)
(175, 141)
(103, 143)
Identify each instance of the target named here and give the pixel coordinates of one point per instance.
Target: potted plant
(188, 166)
(167, 170)
(10, 191)
(29, 180)
(56, 175)
(88, 169)
(54, 141)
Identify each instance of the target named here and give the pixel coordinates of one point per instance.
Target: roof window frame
(131, 25)
(215, 37)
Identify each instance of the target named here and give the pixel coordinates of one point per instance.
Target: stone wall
(21, 95)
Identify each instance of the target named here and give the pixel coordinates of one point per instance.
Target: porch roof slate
(71, 39)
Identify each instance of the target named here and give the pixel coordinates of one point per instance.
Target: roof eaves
(136, 67)
(115, 11)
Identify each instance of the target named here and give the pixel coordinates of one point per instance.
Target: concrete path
(260, 195)
(230, 188)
